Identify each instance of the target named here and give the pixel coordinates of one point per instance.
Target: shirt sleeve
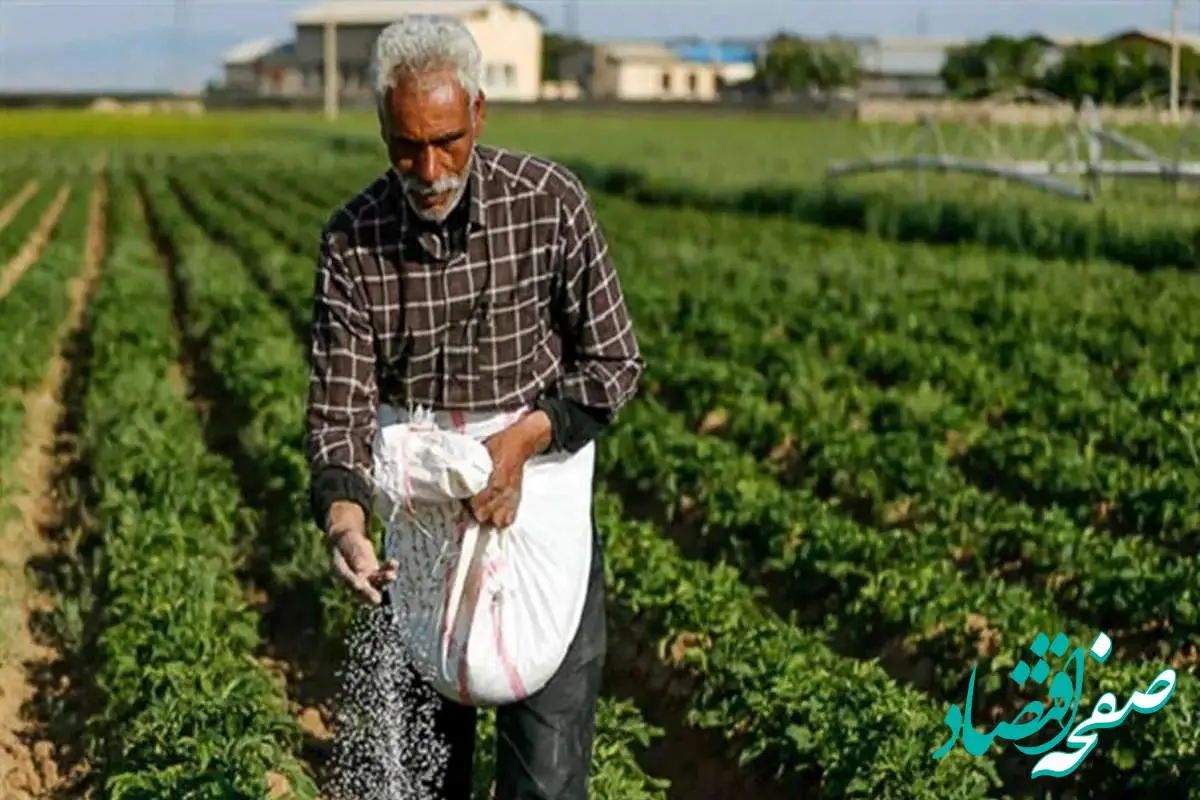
(342, 392)
(571, 425)
(604, 362)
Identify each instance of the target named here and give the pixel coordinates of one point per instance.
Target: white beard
(413, 186)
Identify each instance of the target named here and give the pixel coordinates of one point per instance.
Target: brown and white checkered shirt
(514, 297)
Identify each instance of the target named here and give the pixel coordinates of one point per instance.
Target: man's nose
(426, 165)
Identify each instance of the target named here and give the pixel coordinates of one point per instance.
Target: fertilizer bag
(487, 615)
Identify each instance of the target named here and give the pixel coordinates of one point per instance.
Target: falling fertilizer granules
(385, 745)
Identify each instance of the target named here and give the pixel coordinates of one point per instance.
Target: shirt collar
(477, 191)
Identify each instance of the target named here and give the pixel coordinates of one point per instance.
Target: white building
(509, 36)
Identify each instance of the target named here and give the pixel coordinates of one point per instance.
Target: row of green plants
(183, 709)
(30, 316)
(37, 303)
(963, 328)
(23, 223)
(892, 592)
(1149, 235)
(256, 354)
(793, 756)
(1113, 340)
(740, 342)
(1046, 228)
(925, 432)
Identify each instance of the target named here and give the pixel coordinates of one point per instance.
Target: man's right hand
(353, 554)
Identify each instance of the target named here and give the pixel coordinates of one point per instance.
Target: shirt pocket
(511, 328)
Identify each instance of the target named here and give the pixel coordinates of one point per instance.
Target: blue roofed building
(736, 62)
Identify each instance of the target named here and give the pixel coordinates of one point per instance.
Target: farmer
(402, 316)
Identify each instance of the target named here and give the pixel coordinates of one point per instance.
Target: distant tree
(555, 49)
(995, 64)
(793, 64)
(1117, 72)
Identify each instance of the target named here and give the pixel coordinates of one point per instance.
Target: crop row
(173, 637)
(16, 187)
(886, 593)
(254, 350)
(23, 223)
(897, 451)
(1012, 337)
(794, 759)
(1046, 230)
(1043, 227)
(867, 585)
(30, 316)
(37, 303)
(991, 367)
(1129, 582)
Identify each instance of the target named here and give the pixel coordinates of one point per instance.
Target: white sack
(487, 615)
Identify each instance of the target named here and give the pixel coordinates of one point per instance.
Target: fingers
(365, 581)
(385, 574)
(497, 508)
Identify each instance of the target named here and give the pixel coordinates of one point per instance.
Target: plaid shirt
(514, 298)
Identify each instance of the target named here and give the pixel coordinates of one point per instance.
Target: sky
(96, 45)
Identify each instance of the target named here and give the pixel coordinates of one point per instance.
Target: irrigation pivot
(1087, 171)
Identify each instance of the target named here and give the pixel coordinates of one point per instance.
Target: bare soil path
(29, 760)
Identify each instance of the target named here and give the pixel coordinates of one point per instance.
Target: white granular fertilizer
(385, 745)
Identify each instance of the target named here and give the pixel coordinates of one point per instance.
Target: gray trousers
(544, 742)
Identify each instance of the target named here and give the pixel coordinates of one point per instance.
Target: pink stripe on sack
(510, 669)
(458, 423)
(460, 529)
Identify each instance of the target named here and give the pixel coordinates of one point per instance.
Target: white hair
(419, 43)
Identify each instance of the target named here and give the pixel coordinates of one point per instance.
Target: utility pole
(333, 82)
(571, 18)
(1176, 14)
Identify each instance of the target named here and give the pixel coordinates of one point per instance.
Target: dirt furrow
(18, 201)
(35, 541)
(32, 250)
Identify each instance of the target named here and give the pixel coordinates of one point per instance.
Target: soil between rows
(43, 700)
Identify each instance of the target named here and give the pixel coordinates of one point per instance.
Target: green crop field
(884, 440)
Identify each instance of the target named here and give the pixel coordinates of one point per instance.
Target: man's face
(430, 127)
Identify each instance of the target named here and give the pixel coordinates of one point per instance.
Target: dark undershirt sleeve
(572, 424)
(332, 483)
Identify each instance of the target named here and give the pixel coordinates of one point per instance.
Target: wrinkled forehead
(426, 101)
(437, 87)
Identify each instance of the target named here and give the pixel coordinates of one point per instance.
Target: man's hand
(510, 449)
(353, 554)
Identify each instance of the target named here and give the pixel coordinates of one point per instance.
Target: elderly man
(473, 278)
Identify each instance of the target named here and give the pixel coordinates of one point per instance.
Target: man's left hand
(510, 449)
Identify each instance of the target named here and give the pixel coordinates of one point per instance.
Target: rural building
(509, 35)
(645, 71)
(903, 66)
(735, 63)
(262, 67)
(684, 70)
